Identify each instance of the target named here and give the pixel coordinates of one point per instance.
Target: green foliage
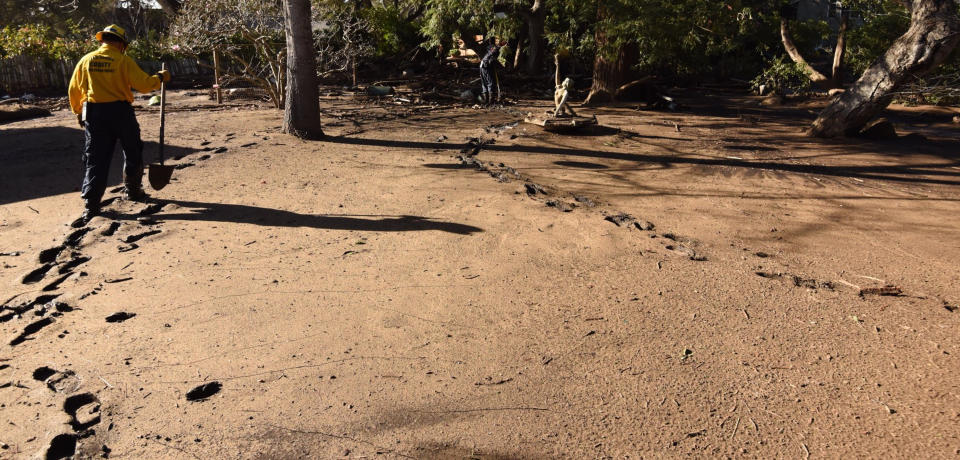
(391, 31)
(151, 47)
(782, 76)
(812, 38)
(673, 38)
(42, 41)
(570, 29)
(445, 21)
(883, 22)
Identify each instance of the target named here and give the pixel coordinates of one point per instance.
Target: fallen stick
(849, 284)
(888, 290)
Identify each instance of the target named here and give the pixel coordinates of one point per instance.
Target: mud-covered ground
(705, 283)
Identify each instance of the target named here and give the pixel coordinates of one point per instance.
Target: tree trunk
(608, 75)
(609, 72)
(516, 56)
(536, 20)
(840, 50)
(795, 55)
(301, 115)
(933, 34)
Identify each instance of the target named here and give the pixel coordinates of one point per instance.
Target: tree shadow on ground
(48, 161)
(914, 173)
(244, 214)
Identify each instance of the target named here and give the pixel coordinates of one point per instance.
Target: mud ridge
(798, 281)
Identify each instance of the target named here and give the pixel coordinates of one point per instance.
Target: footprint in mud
(31, 329)
(84, 411)
(43, 373)
(151, 209)
(140, 236)
(644, 225)
(73, 239)
(49, 255)
(37, 274)
(111, 229)
(120, 317)
(62, 446)
(533, 189)
(57, 381)
(621, 219)
(584, 200)
(560, 205)
(17, 310)
(690, 253)
(55, 284)
(684, 246)
(811, 283)
(202, 392)
(75, 262)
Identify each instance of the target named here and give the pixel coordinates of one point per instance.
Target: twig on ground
(849, 284)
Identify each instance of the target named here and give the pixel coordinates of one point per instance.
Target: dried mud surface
(447, 282)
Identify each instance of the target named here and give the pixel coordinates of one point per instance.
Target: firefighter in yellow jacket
(100, 96)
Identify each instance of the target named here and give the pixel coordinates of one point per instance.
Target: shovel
(159, 173)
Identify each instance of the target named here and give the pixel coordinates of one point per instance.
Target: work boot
(89, 213)
(135, 193)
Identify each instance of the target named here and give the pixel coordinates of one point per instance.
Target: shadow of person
(243, 214)
(46, 161)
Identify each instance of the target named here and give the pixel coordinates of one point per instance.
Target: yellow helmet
(114, 30)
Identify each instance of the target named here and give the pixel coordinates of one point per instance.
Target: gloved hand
(164, 75)
(80, 120)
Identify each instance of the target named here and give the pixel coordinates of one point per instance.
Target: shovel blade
(159, 175)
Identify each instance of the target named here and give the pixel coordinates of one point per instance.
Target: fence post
(216, 75)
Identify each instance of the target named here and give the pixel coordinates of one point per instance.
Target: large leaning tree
(301, 114)
(933, 34)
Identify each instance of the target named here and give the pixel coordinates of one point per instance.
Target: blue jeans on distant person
(488, 82)
(105, 124)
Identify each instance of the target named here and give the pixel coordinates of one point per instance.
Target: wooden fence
(25, 73)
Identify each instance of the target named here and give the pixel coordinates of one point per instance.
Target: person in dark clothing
(100, 96)
(490, 53)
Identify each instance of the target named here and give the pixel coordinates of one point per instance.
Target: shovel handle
(163, 106)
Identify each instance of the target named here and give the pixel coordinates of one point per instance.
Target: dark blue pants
(106, 123)
(488, 83)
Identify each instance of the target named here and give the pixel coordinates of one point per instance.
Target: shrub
(782, 76)
(41, 41)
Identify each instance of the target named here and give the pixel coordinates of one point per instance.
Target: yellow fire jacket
(106, 75)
